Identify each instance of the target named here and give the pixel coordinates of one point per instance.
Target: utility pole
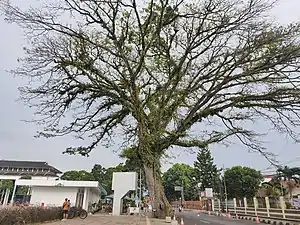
(140, 191)
(225, 189)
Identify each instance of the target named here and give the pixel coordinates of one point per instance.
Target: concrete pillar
(2, 196)
(234, 205)
(85, 202)
(212, 204)
(122, 183)
(245, 205)
(13, 194)
(6, 196)
(282, 206)
(255, 205)
(267, 205)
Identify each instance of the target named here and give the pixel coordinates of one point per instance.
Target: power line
(286, 163)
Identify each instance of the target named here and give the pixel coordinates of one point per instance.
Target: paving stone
(103, 220)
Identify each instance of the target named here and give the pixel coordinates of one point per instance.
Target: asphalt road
(193, 218)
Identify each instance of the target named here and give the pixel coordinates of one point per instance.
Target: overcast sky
(17, 141)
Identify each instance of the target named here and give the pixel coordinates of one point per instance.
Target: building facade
(53, 192)
(13, 170)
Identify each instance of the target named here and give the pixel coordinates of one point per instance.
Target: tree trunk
(160, 204)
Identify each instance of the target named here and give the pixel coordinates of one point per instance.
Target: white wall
(122, 183)
(94, 197)
(53, 183)
(54, 196)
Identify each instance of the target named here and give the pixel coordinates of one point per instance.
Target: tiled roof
(27, 164)
(24, 173)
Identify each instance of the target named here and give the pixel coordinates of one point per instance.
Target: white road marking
(204, 221)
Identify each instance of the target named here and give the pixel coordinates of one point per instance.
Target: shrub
(28, 215)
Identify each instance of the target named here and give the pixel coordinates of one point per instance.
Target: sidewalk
(154, 221)
(99, 219)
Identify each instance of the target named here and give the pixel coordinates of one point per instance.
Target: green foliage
(133, 163)
(77, 175)
(28, 215)
(102, 175)
(291, 176)
(26, 177)
(6, 184)
(273, 189)
(106, 175)
(206, 171)
(242, 182)
(288, 173)
(175, 176)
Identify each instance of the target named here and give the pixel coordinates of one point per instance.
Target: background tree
(78, 175)
(242, 182)
(6, 184)
(155, 70)
(133, 163)
(107, 181)
(23, 190)
(177, 175)
(206, 171)
(290, 177)
(99, 172)
(273, 189)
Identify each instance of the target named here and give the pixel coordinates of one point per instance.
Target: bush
(28, 215)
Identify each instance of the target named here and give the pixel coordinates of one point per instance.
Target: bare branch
(156, 70)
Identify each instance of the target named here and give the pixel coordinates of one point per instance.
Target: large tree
(206, 172)
(242, 182)
(153, 70)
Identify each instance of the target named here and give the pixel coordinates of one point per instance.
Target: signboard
(209, 192)
(178, 188)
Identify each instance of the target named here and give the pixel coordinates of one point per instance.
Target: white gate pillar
(122, 183)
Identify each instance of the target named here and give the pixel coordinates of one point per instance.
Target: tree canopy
(152, 71)
(99, 173)
(77, 175)
(180, 175)
(242, 182)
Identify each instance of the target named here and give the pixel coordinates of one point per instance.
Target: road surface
(193, 218)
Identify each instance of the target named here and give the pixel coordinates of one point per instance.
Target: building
(13, 170)
(53, 192)
(42, 185)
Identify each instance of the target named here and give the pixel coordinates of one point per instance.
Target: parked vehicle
(77, 212)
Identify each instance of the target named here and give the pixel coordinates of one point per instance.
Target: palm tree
(273, 189)
(291, 176)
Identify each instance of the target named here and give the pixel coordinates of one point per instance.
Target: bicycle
(77, 212)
